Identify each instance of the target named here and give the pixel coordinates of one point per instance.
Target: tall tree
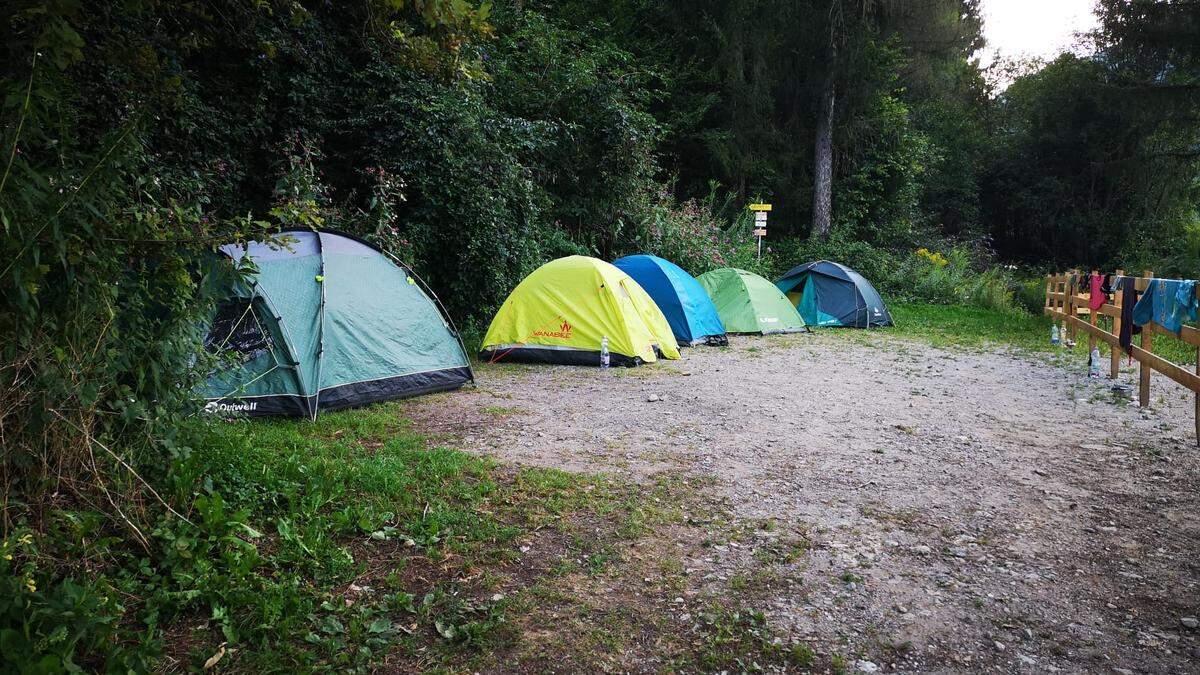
(822, 209)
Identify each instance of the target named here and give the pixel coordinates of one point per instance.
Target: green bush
(875, 263)
(696, 237)
(1029, 294)
(947, 274)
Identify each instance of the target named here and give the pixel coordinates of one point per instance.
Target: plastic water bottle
(604, 352)
(1094, 370)
(1054, 338)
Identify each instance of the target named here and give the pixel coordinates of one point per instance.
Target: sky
(1039, 28)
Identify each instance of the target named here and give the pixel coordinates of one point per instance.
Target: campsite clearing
(877, 498)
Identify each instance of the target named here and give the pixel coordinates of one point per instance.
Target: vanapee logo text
(563, 332)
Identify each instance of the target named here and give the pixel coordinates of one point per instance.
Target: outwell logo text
(220, 407)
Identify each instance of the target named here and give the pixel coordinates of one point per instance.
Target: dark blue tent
(682, 299)
(829, 294)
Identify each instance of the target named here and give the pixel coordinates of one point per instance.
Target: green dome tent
(748, 303)
(327, 322)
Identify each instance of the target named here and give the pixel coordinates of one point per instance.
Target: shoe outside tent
(326, 322)
(689, 311)
(833, 295)
(749, 303)
(562, 312)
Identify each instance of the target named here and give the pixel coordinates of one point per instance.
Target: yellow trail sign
(760, 207)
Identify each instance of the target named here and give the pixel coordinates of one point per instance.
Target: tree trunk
(822, 210)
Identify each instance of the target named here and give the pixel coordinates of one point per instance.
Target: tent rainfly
(683, 301)
(749, 303)
(833, 295)
(326, 322)
(563, 311)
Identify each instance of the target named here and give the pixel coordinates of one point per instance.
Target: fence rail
(1067, 299)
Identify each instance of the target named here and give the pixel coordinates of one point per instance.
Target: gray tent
(828, 294)
(327, 322)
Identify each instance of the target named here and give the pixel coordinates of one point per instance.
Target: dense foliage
(476, 141)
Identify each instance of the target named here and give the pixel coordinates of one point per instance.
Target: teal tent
(829, 294)
(326, 322)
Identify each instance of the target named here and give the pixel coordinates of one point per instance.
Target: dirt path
(911, 508)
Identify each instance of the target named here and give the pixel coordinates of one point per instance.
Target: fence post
(1068, 323)
(1065, 303)
(1144, 369)
(1092, 320)
(1115, 352)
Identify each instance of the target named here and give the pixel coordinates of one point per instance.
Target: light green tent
(326, 322)
(748, 303)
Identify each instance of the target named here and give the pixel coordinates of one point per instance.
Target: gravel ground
(911, 508)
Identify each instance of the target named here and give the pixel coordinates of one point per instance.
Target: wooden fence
(1067, 298)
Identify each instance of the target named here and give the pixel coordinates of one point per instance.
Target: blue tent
(829, 294)
(682, 299)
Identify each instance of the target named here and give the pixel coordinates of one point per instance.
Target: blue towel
(1168, 303)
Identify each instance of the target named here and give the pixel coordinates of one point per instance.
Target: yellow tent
(561, 312)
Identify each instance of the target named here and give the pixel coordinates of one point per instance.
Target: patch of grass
(975, 327)
(336, 544)
(958, 326)
(502, 411)
(737, 640)
(782, 552)
(905, 518)
(332, 497)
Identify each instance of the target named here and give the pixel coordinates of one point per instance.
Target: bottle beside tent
(685, 304)
(748, 303)
(564, 310)
(326, 322)
(828, 294)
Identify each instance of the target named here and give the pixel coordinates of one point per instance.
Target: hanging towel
(1168, 303)
(1128, 300)
(1098, 296)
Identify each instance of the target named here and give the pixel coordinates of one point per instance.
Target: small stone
(1190, 622)
(998, 645)
(866, 667)
(1027, 660)
(921, 549)
(653, 398)
(958, 552)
